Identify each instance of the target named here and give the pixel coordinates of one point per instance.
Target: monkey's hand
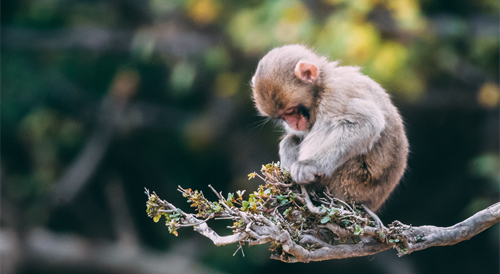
(303, 172)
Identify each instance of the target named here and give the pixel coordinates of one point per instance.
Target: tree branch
(443, 236)
(301, 229)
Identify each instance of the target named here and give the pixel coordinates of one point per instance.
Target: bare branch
(206, 231)
(336, 252)
(308, 201)
(339, 231)
(443, 236)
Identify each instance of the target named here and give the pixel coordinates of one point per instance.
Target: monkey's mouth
(297, 118)
(302, 124)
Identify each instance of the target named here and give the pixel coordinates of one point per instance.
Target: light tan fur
(356, 145)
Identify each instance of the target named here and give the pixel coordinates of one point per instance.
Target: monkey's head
(286, 85)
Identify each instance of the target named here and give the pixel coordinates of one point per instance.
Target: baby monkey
(343, 133)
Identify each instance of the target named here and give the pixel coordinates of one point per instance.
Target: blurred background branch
(55, 252)
(169, 39)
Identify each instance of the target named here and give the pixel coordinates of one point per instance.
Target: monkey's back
(369, 178)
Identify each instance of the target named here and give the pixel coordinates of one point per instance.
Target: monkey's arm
(289, 150)
(333, 141)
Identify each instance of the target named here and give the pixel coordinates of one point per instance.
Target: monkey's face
(289, 102)
(297, 117)
(285, 85)
(288, 97)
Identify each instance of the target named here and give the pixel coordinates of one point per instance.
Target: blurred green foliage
(191, 115)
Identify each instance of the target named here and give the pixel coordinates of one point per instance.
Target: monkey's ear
(306, 72)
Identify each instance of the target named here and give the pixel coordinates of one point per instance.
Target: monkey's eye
(291, 111)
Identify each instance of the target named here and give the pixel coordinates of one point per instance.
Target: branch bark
(305, 246)
(432, 236)
(443, 236)
(305, 227)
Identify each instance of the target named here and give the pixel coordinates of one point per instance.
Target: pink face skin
(295, 119)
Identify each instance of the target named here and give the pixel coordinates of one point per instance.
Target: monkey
(342, 132)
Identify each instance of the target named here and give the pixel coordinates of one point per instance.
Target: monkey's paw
(303, 172)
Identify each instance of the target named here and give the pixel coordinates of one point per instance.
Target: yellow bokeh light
(362, 41)
(203, 11)
(296, 13)
(488, 95)
(389, 59)
(407, 14)
(227, 84)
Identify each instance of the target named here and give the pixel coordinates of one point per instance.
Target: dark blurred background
(102, 98)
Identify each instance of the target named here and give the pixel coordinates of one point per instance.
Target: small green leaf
(156, 218)
(358, 230)
(325, 220)
(244, 205)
